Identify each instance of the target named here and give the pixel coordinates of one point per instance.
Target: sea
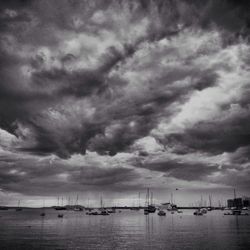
(127, 229)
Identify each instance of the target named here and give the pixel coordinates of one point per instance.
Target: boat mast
(210, 200)
(139, 200)
(147, 198)
(101, 202)
(76, 200)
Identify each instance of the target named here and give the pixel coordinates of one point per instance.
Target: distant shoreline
(123, 207)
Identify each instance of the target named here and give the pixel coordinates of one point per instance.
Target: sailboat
(112, 210)
(149, 207)
(172, 207)
(210, 208)
(198, 211)
(43, 213)
(62, 208)
(161, 213)
(103, 210)
(18, 207)
(58, 207)
(237, 209)
(77, 208)
(203, 209)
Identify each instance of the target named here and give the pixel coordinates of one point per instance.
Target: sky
(109, 98)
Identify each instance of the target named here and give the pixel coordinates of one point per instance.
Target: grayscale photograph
(124, 124)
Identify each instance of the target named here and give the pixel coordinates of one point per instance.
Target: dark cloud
(240, 156)
(81, 76)
(28, 98)
(189, 171)
(31, 177)
(227, 133)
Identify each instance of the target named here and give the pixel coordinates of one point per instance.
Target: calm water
(126, 230)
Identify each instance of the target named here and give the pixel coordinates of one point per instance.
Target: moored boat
(161, 213)
(18, 207)
(203, 210)
(198, 212)
(104, 212)
(111, 211)
(150, 208)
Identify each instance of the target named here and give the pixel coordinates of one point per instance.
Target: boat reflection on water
(149, 229)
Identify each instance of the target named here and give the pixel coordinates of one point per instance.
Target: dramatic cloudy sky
(110, 97)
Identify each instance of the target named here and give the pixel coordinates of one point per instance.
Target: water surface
(26, 230)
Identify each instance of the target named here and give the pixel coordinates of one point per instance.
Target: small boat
(104, 212)
(203, 210)
(245, 214)
(236, 212)
(146, 212)
(42, 214)
(198, 212)
(161, 213)
(111, 211)
(151, 209)
(94, 212)
(179, 211)
(78, 209)
(60, 215)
